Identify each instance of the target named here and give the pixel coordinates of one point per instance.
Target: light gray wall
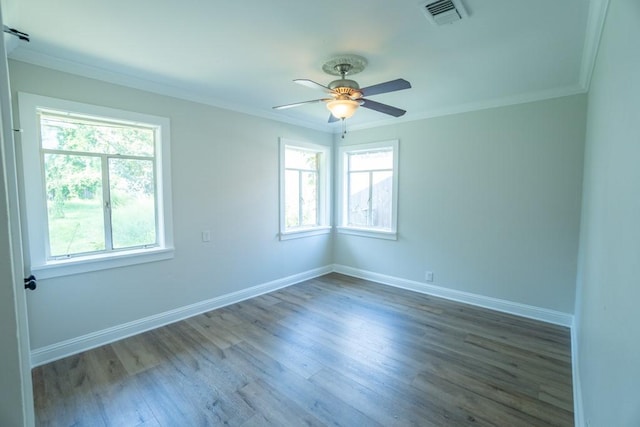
(489, 201)
(225, 179)
(607, 314)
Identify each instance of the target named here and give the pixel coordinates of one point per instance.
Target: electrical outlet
(428, 276)
(206, 236)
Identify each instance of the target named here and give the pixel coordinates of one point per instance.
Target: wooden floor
(330, 351)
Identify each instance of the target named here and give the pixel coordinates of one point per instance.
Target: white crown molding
(504, 306)
(166, 88)
(42, 355)
(475, 106)
(593, 34)
(26, 55)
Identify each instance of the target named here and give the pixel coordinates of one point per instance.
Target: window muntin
(304, 189)
(369, 189)
(100, 197)
(96, 185)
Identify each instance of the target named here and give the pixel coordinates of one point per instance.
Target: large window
(304, 189)
(368, 189)
(96, 186)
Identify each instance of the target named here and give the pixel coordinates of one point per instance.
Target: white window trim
(324, 191)
(341, 169)
(34, 211)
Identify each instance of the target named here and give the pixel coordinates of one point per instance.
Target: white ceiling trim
(595, 25)
(478, 106)
(167, 89)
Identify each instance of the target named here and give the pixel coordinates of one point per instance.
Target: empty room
(348, 213)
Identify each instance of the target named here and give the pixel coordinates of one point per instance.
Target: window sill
(368, 232)
(305, 232)
(87, 264)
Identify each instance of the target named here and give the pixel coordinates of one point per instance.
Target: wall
(225, 179)
(607, 315)
(489, 201)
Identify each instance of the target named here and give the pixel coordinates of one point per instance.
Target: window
(369, 189)
(96, 184)
(304, 189)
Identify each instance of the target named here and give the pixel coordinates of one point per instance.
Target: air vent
(443, 12)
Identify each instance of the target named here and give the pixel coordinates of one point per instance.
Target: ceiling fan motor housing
(346, 87)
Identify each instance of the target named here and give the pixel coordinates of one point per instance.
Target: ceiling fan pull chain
(344, 127)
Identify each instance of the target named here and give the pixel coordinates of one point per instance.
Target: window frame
(324, 190)
(33, 200)
(343, 193)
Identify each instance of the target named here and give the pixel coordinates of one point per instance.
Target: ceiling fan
(345, 95)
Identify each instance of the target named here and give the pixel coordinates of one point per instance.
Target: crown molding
(593, 34)
(166, 88)
(478, 106)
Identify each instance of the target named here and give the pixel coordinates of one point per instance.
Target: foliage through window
(304, 187)
(369, 190)
(100, 185)
(96, 186)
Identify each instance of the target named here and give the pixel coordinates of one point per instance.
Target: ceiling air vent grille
(443, 12)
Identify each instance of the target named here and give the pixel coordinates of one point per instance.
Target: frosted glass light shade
(343, 108)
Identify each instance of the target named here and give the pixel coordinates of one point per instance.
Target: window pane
(371, 160)
(74, 204)
(309, 198)
(381, 199)
(358, 211)
(71, 134)
(132, 188)
(292, 198)
(300, 159)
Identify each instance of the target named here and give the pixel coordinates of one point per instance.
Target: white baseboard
(76, 345)
(47, 354)
(523, 310)
(578, 409)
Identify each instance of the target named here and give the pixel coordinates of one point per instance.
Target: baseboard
(578, 409)
(518, 309)
(56, 351)
(76, 345)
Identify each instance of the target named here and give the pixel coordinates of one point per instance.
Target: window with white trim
(368, 188)
(304, 189)
(96, 186)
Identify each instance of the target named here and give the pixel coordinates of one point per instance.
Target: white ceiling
(243, 55)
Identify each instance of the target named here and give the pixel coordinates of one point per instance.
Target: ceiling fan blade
(313, 85)
(297, 104)
(383, 108)
(390, 86)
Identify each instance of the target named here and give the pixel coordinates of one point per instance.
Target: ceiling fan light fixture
(343, 108)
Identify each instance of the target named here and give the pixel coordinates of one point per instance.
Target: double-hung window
(304, 189)
(368, 189)
(96, 184)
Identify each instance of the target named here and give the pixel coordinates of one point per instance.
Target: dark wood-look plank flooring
(330, 351)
